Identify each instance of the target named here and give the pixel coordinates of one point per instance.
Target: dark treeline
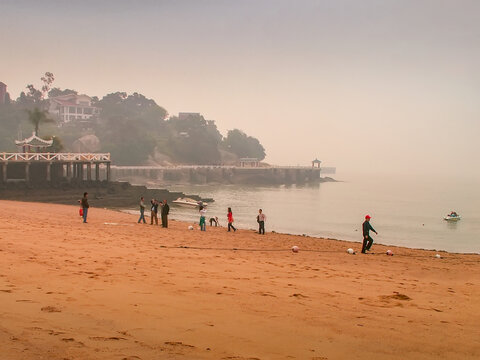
(133, 128)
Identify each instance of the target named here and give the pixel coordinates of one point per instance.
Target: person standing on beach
(85, 206)
(261, 218)
(165, 211)
(154, 212)
(367, 240)
(230, 220)
(142, 211)
(203, 213)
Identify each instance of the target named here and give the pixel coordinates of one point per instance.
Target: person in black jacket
(367, 240)
(85, 206)
(165, 211)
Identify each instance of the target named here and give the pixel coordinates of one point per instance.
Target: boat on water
(453, 216)
(188, 202)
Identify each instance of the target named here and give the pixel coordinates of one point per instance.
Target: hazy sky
(364, 85)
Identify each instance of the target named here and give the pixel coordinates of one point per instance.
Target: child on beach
(230, 220)
(261, 218)
(203, 213)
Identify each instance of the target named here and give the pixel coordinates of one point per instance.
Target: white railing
(66, 157)
(179, 167)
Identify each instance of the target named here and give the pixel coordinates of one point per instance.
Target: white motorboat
(188, 202)
(453, 216)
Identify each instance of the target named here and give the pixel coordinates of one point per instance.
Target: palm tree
(37, 117)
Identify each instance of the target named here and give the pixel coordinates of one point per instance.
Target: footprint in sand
(299, 296)
(50, 309)
(102, 338)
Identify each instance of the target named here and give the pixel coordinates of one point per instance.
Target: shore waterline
(405, 212)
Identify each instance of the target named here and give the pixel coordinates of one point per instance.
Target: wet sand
(114, 289)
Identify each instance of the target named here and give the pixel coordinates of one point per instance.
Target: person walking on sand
(85, 206)
(367, 240)
(261, 218)
(230, 220)
(154, 212)
(142, 211)
(203, 213)
(165, 211)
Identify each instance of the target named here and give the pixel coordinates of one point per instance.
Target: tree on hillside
(130, 126)
(243, 145)
(35, 97)
(38, 117)
(57, 92)
(193, 140)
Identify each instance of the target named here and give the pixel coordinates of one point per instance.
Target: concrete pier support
(97, 172)
(49, 172)
(4, 172)
(27, 172)
(89, 171)
(108, 171)
(69, 170)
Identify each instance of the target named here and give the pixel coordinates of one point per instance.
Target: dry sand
(127, 291)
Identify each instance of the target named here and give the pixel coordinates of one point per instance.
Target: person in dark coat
(142, 211)
(85, 206)
(367, 240)
(165, 211)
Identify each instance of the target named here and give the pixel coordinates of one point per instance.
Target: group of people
(261, 218)
(154, 205)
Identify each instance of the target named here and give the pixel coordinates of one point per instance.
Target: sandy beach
(115, 289)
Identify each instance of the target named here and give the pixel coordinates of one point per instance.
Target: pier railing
(63, 157)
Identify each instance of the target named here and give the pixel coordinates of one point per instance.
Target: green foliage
(131, 127)
(38, 117)
(10, 119)
(193, 140)
(243, 146)
(57, 145)
(57, 92)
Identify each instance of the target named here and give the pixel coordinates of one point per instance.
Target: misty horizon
(370, 87)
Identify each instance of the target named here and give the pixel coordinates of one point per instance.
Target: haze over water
(405, 211)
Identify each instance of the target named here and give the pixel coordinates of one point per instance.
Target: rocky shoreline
(103, 194)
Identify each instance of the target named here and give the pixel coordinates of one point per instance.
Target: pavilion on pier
(35, 165)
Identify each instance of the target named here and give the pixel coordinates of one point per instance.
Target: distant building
(72, 107)
(3, 92)
(249, 162)
(186, 115)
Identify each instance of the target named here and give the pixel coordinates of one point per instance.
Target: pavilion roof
(34, 141)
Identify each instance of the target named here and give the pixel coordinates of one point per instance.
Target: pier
(205, 174)
(52, 167)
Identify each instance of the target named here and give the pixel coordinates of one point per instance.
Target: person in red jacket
(230, 220)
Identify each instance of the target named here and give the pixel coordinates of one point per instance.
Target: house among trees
(72, 107)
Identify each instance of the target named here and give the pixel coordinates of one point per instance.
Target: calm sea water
(406, 212)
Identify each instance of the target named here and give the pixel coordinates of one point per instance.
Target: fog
(366, 86)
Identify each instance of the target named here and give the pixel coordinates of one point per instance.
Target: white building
(72, 107)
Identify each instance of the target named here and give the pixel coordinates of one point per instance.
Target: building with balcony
(72, 107)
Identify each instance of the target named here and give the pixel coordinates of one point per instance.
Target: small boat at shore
(188, 202)
(453, 216)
